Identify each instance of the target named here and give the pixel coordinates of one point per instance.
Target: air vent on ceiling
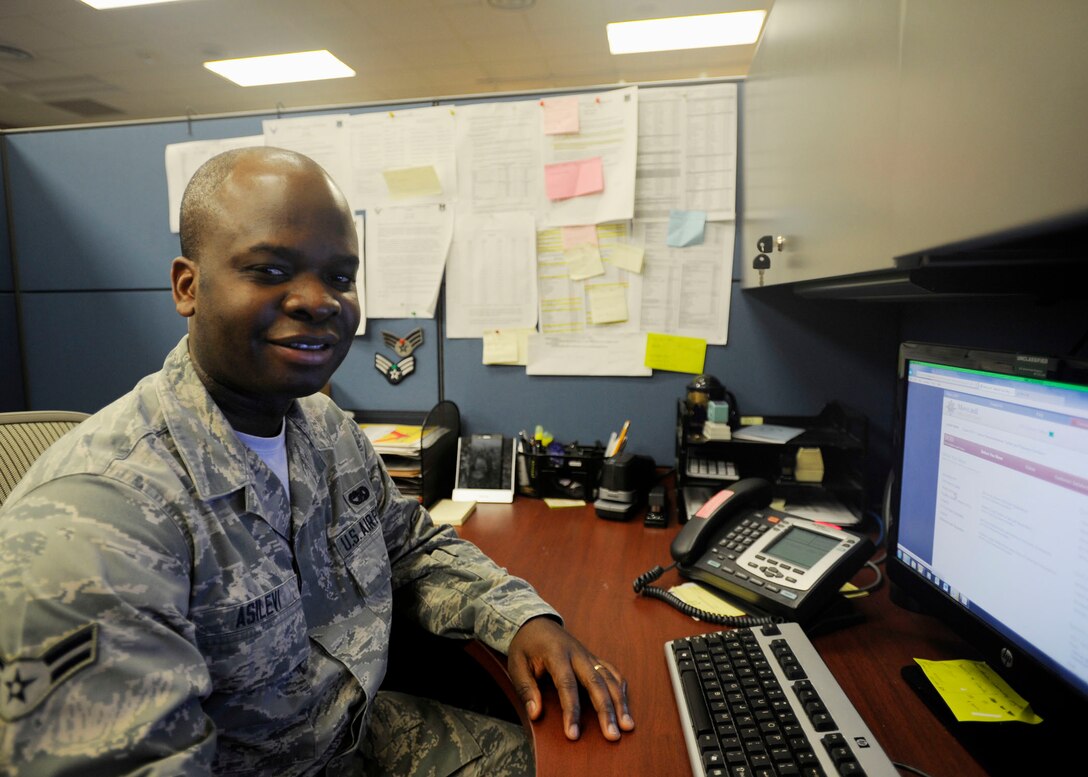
(64, 88)
(86, 108)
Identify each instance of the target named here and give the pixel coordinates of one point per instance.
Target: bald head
(200, 211)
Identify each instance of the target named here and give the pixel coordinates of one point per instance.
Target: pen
(622, 439)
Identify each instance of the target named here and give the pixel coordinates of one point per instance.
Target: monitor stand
(840, 613)
(1009, 749)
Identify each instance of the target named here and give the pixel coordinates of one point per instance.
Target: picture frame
(486, 465)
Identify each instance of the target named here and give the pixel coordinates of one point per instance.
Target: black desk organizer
(438, 461)
(574, 474)
(839, 432)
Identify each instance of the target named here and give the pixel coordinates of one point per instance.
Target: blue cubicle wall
(93, 247)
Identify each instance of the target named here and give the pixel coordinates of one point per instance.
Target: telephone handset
(697, 532)
(773, 562)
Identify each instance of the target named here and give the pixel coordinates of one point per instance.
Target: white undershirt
(272, 450)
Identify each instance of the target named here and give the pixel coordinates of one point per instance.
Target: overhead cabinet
(880, 133)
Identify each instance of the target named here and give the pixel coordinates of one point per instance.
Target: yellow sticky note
(412, 182)
(975, 692)
(554, 502)
(500, 347)
(507, 346)
(851, 591)
(607, 302)
(583, 261)
(675, 353)
(705, 599)
(626, 256)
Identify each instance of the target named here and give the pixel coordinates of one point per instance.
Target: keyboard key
(696, 706)
(821, 721)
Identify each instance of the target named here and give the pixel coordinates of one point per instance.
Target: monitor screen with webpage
(989, 530)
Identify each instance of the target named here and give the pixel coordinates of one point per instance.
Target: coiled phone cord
(643, 588)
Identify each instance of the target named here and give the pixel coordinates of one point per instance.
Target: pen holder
(573, 474)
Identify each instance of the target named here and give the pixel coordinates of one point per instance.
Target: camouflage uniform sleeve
(100, 669)
(447, 584)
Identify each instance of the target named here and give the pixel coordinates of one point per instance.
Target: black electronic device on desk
(990, 534)
(787, 567)
(625, 480)
(657, 508)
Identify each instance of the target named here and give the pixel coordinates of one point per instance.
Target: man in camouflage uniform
(198, 579)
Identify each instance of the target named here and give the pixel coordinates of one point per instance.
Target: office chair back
(24, 437)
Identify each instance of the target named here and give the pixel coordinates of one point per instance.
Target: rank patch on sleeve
(25, 681)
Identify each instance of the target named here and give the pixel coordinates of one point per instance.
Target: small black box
(625, 479)
(626, 476)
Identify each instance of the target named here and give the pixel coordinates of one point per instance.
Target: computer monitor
(989, 531)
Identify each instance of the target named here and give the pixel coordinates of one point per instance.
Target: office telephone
(787, 567)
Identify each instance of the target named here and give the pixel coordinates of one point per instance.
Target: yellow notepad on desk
(450, 513)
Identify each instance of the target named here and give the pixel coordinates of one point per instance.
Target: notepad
(450, 513)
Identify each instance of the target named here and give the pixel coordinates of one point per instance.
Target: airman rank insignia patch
(394, 373)
(25, 681)
(403, 346)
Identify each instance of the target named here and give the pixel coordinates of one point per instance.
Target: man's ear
(183, 276)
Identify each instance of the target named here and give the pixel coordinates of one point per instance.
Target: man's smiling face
(271, 298)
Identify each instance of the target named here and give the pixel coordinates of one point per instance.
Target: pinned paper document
(686, 228)
(560, 115)
(563, 180)
(506, 346)
(675, 353)
(500, 347)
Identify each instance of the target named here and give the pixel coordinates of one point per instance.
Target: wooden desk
(584, 566)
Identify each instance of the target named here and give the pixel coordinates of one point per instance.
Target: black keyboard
(760, 702)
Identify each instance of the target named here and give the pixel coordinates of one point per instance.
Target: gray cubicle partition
(11, 374)
(93, 246)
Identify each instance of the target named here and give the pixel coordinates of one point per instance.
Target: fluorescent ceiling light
(103, 5)
(281, 68)
(685, 32)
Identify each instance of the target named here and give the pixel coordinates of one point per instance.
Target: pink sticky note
(560, 115)
(573, 179)
(573, 236)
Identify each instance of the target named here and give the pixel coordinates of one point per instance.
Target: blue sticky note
(686, 228)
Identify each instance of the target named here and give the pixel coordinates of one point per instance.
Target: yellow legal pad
(974, 692)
